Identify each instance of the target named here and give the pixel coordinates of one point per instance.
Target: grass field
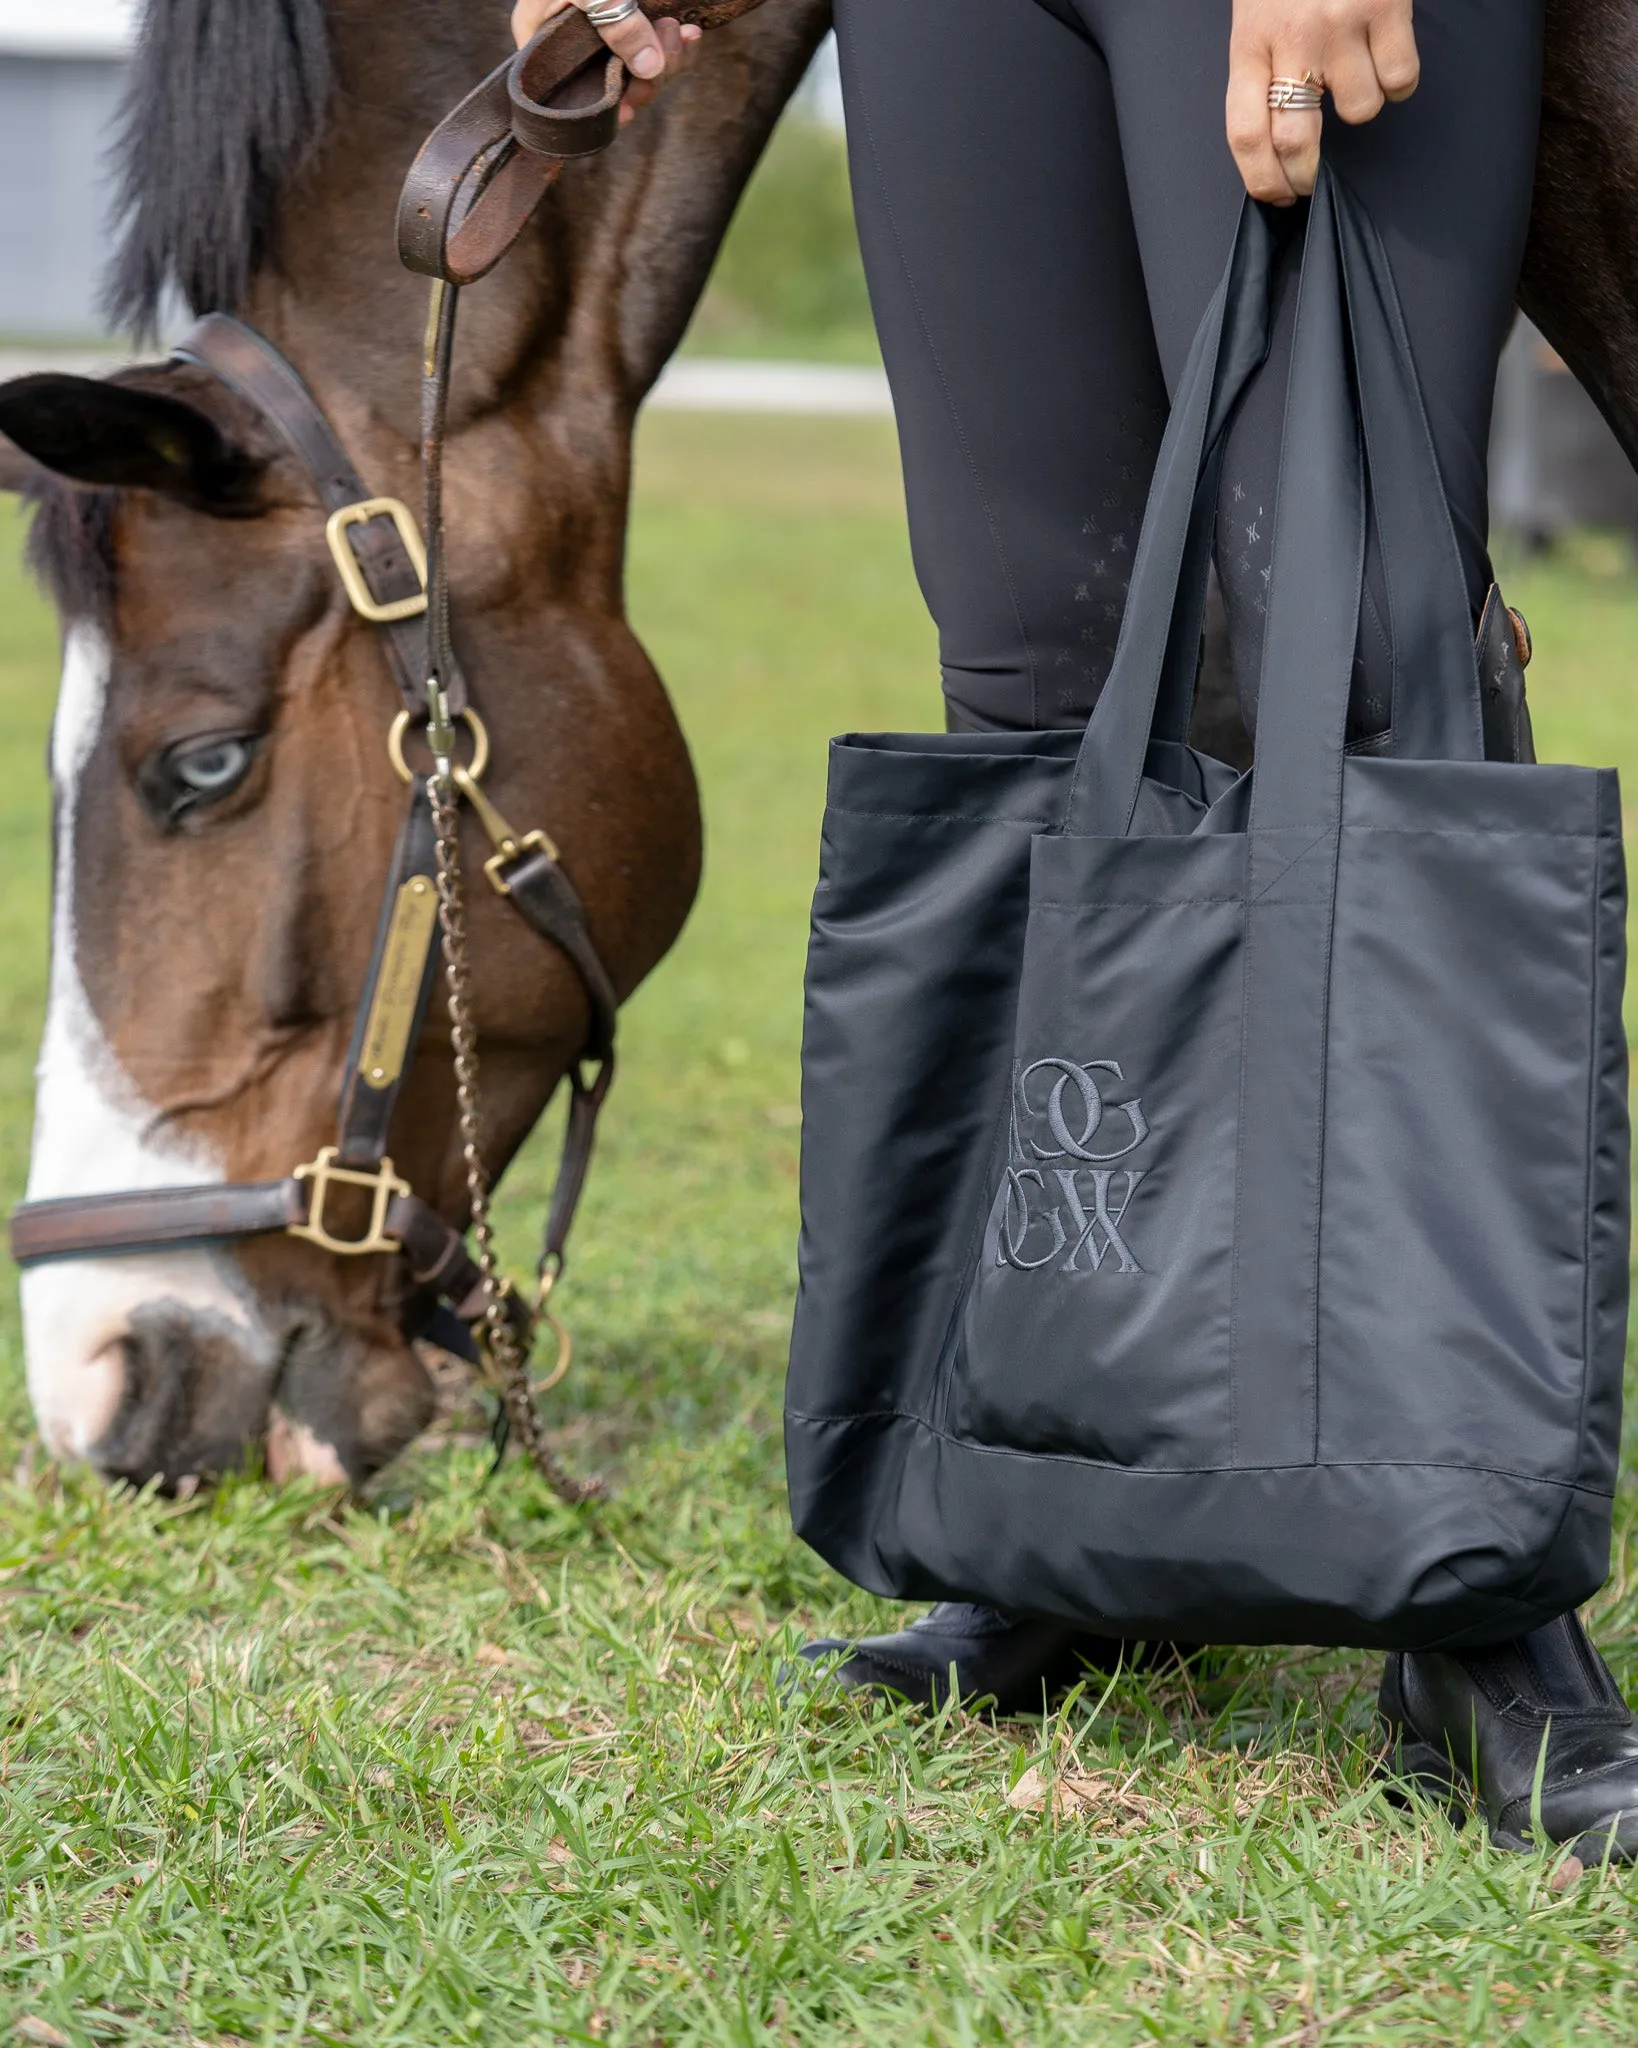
(460, 1766)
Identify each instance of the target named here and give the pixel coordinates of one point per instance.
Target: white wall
(56, 122)
(67, 28)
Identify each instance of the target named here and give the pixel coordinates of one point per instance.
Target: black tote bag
(1214, 1188)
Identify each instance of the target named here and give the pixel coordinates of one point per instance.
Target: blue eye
(212, 767)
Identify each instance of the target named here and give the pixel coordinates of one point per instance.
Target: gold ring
(480, 744)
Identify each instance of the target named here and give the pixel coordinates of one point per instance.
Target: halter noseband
(469, 193)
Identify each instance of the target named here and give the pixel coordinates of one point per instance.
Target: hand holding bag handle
(1150, 687)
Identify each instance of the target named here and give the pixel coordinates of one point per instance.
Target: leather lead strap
(469, 193)
(435, 374)
(486, 167)
(549, 902)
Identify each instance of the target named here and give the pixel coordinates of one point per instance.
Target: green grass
(460, 1766)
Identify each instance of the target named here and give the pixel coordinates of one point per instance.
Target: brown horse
(225, 809)
(1580, 279)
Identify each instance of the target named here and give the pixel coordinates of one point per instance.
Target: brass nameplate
(398, 991)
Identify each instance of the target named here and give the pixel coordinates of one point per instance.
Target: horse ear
(98, 432)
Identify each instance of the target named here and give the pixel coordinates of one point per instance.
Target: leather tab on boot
(1504, 712)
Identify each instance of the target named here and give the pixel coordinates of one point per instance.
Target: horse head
(225, 810)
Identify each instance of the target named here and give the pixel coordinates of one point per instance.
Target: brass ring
(565, 1356)
(480, 744)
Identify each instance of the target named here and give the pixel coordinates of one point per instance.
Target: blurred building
(61, 66)
(1554, 462)
(61, 63)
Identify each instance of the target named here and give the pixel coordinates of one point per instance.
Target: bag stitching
(1266, 893)
(1203, 1471)
(1154, 902)
(1588, 1208)
(1246, 945)
(1045, 827)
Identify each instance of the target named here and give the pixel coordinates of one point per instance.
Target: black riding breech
(1045, 199)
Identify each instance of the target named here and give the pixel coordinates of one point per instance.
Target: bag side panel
(1455, 1231)
(1609, 1194)
(918, 929)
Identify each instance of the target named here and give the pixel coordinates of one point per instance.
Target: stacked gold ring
(1303, 95)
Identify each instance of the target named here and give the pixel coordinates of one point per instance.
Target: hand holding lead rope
(652, 51)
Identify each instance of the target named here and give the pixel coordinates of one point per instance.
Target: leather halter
(468, 196)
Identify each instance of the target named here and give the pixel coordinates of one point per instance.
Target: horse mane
(71, 546)
(223, 102)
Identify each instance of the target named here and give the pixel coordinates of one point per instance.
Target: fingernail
(648, 63)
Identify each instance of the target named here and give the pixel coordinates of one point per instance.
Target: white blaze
(94, 1135)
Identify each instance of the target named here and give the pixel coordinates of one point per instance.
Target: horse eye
(212, 768)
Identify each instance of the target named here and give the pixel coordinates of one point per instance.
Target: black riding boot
(1014, 1662)
(1476, 1722)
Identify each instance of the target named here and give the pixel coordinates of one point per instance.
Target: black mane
(71, 546)
(224, 100)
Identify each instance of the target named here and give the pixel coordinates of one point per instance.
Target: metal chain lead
(508, 1354)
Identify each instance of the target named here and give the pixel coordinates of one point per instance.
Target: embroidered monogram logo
(1073, 1213)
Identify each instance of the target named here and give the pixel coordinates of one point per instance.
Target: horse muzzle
(169, 1369)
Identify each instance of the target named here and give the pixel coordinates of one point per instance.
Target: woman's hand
(1362, 51)
(652, 51)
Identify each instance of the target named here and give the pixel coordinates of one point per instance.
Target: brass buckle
(509, 844)
(325, 1174)
(352, 576)
(508, 850)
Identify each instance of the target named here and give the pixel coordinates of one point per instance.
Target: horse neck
(555, 348)
(335, 298)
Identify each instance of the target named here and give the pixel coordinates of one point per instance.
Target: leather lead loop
(478, 178)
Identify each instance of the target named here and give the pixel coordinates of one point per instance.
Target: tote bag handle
(1348, 317)
(1160, 629)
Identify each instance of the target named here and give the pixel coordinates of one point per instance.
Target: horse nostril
(295, 1451)
(193, 1400)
